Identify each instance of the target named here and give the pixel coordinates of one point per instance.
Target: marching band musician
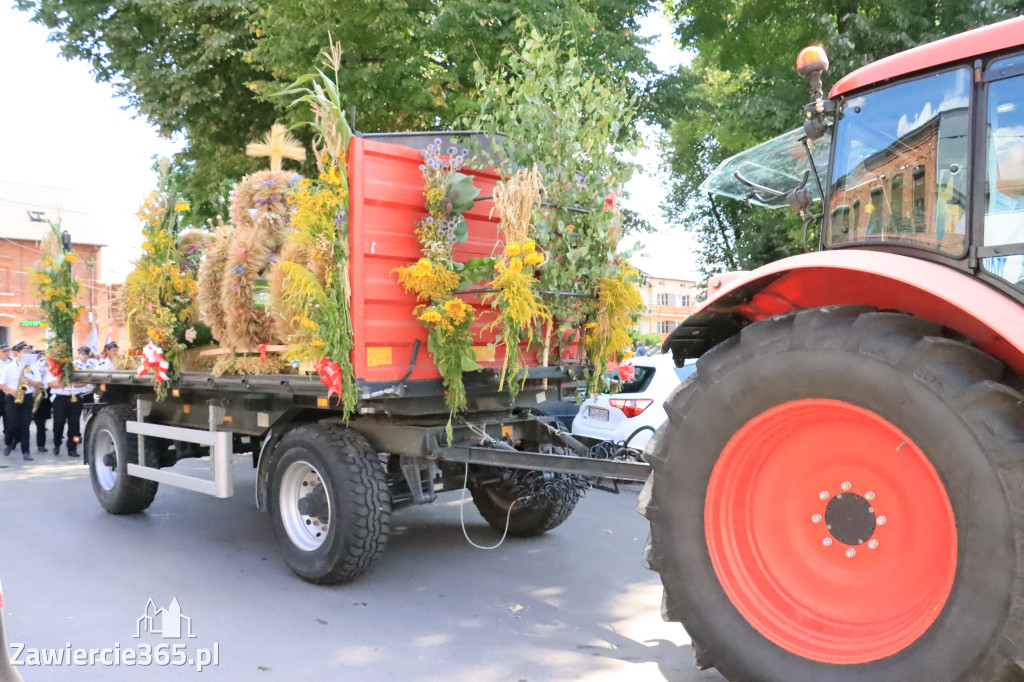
(42, 410)
(5, 358)
(67, 405)
(18, 387)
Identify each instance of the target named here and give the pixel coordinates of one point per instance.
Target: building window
(664, 299)
(919, 187)
(899, 221)
(666, 326)
(684, 300)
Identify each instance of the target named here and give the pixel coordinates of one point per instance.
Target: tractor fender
(989, 318)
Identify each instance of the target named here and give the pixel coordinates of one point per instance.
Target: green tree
(742, 89)
(208, 69)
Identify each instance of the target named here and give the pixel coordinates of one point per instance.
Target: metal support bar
(219, 442)
(566, 464)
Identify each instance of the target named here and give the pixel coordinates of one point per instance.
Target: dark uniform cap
(85, 349)
(110, 345)
(21, 345)
(4, 346)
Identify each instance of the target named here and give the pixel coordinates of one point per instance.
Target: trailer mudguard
(992, 320)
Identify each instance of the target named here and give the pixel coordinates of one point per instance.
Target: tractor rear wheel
(837, 496)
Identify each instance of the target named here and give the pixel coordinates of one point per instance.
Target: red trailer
(838, 493)
(329, 483)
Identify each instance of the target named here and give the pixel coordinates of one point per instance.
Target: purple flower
(267, 183)
(437, 141)
(429, 219)
(338, 221)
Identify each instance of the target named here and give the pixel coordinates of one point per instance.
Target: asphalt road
(574, 604)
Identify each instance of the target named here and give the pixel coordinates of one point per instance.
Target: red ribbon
(330, 376)
(54, 367)
(153, 359)
(263, 352)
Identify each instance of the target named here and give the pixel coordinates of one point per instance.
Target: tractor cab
(920, 154)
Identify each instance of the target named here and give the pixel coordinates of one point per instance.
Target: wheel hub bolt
(873, 544)
(850, 553)
(823, 495)
(846, 485)
(816, 518)
(869, 496)
(827, 542)
(881, 520)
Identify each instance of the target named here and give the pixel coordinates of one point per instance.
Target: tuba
(19, 395)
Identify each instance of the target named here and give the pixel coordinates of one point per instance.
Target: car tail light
(631, 407)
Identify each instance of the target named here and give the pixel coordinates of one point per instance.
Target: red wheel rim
(781, 481)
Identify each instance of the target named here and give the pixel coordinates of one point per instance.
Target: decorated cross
(278, 144)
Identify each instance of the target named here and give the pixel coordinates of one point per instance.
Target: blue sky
(65, 130)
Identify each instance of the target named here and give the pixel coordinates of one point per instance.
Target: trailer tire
(776, 425)
(529, 520)
(109, 449)
(329, 503)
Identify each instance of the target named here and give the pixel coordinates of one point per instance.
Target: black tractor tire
(950, 402)
(528, 518)
(107, 439)
(339, 528)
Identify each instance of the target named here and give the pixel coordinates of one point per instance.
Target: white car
(640, 403)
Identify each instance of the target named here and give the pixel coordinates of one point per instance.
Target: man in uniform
(41, 407)
(67, 405)
(109, 357)
(5, 358)
(19, 415)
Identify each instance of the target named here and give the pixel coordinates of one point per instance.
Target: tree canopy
(741, 89)
(208, 69)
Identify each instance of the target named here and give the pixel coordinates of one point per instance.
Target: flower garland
(159, 294)
(434, 278)
(57, 288)
(618, 304)
(520, 311)
(310, 289)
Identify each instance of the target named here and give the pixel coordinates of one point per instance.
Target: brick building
(25, 214)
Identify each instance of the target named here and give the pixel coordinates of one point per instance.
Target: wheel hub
(850, 518)
(314, 504)
(805, 550)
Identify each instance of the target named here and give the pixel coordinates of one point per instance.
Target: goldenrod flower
(182, 206)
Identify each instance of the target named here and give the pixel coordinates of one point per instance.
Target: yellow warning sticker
(377, 356)
(506, 430)
(484, 353)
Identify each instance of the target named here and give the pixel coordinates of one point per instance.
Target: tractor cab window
(899, 172)
(1004, 175)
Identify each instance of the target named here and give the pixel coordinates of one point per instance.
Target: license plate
(598, 413)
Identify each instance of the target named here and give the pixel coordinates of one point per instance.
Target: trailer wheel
(836, 496)
(109, 449)
(541, 501)
(329, 503)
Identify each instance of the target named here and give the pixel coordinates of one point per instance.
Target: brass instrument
(40, 394)
(19, 395)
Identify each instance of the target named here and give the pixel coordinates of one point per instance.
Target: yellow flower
(431, 316)
(515, 265)
(529, 246)
(318, 342)
(182, 206)
(512, 249)
(533, 259)
(570, 228)
(47, 280)
(304, 182)
(44, 325)
(70, 257)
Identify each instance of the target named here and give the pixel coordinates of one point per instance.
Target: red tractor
(839, 491)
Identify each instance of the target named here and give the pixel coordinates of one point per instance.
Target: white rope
(462, 518)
